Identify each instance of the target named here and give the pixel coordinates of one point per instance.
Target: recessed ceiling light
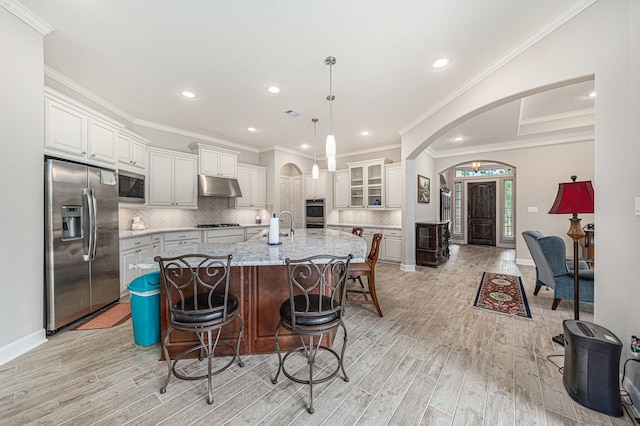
(305, 146)
(440, 63)
(458, 139)
(273, 89)
(188, 94)
(365, 133)
(591, 94)
(251, 129)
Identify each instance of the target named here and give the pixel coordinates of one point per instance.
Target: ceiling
(139, 55)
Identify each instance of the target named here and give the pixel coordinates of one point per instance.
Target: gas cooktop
(217, 225)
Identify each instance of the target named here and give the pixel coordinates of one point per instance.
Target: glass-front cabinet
(356, 186)
(366, 183)
(374, 185)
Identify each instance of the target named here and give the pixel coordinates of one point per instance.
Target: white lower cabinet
(391, 248)
(234, 235)
(180, 240)
(132, 250)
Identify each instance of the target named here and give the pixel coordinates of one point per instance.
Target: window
(507, 230)
(457, 222)
(484, 172)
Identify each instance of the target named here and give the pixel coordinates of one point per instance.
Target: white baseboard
(407, 267)
(525, 262)
(21, 346)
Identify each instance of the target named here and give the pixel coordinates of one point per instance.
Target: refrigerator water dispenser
(71, 222)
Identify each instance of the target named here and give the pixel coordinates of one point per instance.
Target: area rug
(502, 293)
(117, 314)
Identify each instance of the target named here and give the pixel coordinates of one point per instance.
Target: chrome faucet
(291, 216)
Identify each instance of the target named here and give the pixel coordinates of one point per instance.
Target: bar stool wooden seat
(366, 269)
(357, 231)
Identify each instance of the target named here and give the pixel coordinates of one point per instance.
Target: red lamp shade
(573, 197)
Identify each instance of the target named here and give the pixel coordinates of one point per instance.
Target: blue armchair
(553, 270)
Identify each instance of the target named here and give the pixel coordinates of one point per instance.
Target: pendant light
(315, 173)
(331, 164)
(330, 147)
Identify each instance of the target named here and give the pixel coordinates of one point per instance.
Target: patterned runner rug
(117, 314)
(502, 293)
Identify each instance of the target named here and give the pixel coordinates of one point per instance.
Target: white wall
(602, 41)
(538, 172)
(22, 189)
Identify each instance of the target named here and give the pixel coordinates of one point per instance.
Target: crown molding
(501, 60)
(27, 16)
(370, 150)
(506, 146)
(194, 135)
(559, 116)
(81, 90)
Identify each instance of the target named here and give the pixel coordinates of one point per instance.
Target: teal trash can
(144, 293)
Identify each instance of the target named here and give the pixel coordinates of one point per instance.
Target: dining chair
(366, 269)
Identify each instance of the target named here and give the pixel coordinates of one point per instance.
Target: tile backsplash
(221, 210)
(210, 210)
(371, 217)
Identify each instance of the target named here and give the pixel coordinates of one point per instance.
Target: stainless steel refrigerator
(81, 241)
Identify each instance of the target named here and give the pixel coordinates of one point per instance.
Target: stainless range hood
(211, 186)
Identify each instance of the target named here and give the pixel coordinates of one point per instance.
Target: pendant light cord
(330, 98)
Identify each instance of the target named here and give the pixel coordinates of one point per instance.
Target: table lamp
(573, 198)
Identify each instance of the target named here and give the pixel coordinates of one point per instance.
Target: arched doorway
(482, 202)
(290, 187)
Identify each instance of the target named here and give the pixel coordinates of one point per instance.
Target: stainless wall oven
(314, 212)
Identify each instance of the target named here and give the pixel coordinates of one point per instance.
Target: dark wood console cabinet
(432, 243)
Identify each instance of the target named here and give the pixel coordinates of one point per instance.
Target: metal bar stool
(366, 269)
(197, 291)
(317, 292)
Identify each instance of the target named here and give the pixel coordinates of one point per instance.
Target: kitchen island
(259, 279)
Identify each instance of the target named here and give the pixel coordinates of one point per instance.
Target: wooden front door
(481, 219)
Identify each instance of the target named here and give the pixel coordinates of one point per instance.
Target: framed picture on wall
(424, 189)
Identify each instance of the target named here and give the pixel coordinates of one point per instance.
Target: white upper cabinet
(366, 184)
(253, 184)
(393, 186)
(76, 132)
(315, 188)
(341, 189)
(215, 161)
(132, 153)
(172, 180)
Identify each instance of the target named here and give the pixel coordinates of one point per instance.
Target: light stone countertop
(257, 252)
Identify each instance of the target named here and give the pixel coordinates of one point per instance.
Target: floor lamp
(573, 198)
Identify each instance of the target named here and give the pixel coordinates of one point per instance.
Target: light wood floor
(432, 360)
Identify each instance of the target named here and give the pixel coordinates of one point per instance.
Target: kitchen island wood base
(260, 291)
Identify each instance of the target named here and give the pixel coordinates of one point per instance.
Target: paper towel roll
(274, 230)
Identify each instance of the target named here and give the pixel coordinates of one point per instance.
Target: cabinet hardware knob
(93, 155)
(84, 152)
